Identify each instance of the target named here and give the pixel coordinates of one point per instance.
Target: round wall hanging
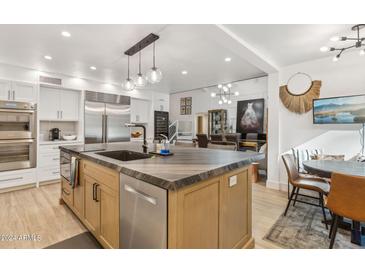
(300, 103)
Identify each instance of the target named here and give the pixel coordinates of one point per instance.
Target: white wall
(345, 77)
(202, 100)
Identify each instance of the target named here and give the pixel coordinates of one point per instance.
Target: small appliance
(54, 134)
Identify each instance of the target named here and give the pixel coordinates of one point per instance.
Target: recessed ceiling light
(66, 34)
(228, 59)
(47, 57)
(93, 68)
(184, 72)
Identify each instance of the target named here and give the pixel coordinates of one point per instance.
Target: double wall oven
(18, 129)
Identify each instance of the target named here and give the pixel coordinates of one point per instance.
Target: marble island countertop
(187, 166)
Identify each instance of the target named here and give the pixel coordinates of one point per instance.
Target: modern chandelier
(224, 94)
(154, 75)
(358, 43)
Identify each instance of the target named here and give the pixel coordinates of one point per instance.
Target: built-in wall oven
(18, 130)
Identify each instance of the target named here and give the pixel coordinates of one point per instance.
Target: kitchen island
(201, 198)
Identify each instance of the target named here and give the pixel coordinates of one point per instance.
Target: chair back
(291, 168)
(202, 140)
(233, 137)
(347, 196)
(216, 137)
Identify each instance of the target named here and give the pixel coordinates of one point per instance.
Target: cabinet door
(24, 92)
(69, 105)
(49, 104)
(92, 206)
(109, 217)
(5, 90)
(197, 221)
(235, 215)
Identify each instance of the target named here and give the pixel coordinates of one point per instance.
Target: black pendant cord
(128, 67)
(139, 65)
(154, 55)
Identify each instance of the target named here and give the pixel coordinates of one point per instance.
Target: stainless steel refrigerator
(105, 116)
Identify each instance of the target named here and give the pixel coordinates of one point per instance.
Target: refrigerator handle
(106, 128)
(102, 128)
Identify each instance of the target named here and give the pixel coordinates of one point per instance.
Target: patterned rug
(303, 228)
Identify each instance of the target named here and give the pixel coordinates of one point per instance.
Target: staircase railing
(173, 130)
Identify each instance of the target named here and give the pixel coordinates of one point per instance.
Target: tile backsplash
(65, 128)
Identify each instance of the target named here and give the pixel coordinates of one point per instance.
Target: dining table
(324, 169)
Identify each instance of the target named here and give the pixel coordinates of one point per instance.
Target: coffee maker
(54, 134)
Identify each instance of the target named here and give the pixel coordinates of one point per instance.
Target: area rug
(81, 241)
(303, 228)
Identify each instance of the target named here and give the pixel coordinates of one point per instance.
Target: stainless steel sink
(125, 155)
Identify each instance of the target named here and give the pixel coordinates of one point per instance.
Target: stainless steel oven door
(66, 166)
(17, 124)
(17, 154)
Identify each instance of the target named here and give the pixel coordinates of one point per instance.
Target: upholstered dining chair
(202, 140)
(298, 182)
(346, 199)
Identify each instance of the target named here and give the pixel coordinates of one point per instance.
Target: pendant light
(128, 83)
(154, 75)
(140, 80)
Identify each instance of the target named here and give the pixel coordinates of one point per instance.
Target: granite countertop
(187, 166)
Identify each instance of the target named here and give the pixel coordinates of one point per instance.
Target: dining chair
(202, 140)
(299, 181)
(346, 199)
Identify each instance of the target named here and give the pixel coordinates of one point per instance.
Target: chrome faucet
(144, 146)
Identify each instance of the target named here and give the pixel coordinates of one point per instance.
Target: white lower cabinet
(17, 178)
(48, 167)
(48, 173)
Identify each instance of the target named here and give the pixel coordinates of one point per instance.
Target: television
(339, 110)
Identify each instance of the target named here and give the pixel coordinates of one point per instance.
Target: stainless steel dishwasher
(143, 214)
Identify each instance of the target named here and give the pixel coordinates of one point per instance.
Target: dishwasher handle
(141, 195)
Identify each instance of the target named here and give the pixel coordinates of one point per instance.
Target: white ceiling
(180, 47)
(290, 44)
(199, 49)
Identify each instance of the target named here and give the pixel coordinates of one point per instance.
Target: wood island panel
(212, 214)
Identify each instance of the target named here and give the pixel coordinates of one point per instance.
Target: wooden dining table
(325, 168)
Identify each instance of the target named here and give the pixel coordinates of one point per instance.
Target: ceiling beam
(242, 48)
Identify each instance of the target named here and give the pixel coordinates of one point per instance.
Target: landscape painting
(250, 116)
(339, 110)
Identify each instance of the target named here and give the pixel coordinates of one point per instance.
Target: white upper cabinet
(140, 110)
(17, 91)
(49, 103)
(5, 90)
(58, 104)
(69, 105)
(24, 92)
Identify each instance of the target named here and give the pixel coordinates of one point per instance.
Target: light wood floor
(36, 211)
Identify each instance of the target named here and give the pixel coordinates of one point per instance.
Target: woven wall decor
(300, 103)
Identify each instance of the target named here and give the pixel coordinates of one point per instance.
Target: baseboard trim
(44, 183)
(277, 185)
(16, 188)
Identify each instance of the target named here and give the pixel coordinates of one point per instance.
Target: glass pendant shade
(154, 75)
(128, 84)
(140, 80)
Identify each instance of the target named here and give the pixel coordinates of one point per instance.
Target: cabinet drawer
(48, 149)
(102, 174)
(51, 160)
(48, 173)
(17, 178)
(67, 192)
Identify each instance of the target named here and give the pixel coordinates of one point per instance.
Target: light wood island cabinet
(213, 213)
